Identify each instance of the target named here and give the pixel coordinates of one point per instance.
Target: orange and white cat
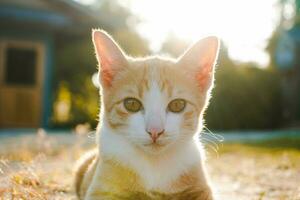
(151, 114)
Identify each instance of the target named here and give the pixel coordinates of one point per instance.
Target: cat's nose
(155, 133)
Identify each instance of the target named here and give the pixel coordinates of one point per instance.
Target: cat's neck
(157, 170)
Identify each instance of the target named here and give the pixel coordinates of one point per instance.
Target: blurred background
(47, 63)
(48, 84)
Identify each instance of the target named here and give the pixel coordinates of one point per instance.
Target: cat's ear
(200, 59)
(109, 55)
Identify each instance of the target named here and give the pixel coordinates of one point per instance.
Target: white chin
(154, 148)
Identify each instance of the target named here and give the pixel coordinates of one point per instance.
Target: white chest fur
(157, 173)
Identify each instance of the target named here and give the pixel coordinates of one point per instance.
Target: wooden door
(21, 83)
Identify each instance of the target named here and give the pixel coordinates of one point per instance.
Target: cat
(151, 114)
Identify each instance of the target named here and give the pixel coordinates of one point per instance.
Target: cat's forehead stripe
(144, 85)
(154, 72)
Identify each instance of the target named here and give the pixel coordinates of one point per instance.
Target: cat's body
(151, 112)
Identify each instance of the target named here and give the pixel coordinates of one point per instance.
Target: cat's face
(154, 102)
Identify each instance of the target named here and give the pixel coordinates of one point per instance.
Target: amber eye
(132, 104)
(177, 105)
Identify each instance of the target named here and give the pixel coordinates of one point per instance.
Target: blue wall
(30, 15)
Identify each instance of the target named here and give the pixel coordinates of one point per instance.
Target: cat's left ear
(109, 55)
(200, 59)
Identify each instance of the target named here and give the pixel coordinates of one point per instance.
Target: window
(20, 66)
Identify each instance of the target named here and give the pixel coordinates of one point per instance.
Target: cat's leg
(94, 191)
(193, 185)
(93, 194)
(199, 194)
(100, 187)
(205, 194)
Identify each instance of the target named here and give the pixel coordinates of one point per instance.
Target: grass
(258, 171)
(40, 167)
(278, 143)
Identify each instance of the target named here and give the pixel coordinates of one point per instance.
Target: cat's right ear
(110, 56)
(199, 61)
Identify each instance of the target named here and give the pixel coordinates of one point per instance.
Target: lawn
(39, 166)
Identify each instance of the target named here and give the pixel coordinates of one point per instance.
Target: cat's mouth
(154, 147)
(155, 144)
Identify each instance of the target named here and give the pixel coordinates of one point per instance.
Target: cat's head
(155, 102)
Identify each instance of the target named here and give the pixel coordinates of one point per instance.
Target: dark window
(20, 66)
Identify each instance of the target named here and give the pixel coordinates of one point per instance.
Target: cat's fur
(127, 164)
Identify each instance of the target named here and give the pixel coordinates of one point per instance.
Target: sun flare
(244, 26)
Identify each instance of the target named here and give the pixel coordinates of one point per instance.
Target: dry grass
(243, 172)
(40, 167)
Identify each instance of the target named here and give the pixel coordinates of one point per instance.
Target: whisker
(215, 151)
(211, 140)
(218, 137)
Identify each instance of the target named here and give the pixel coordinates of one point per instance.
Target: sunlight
(86, 2)
(244, 26)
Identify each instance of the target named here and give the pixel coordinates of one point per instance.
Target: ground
(40, 166)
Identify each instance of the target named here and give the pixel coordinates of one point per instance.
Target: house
(30, 33)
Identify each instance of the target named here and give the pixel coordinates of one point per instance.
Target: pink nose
(155, 133)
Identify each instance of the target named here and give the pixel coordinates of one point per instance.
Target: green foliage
(244, 97)
(277, 143)
(76, 64)
(132, 43)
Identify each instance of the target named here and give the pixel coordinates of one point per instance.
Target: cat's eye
(177, 105)
(132, 104)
